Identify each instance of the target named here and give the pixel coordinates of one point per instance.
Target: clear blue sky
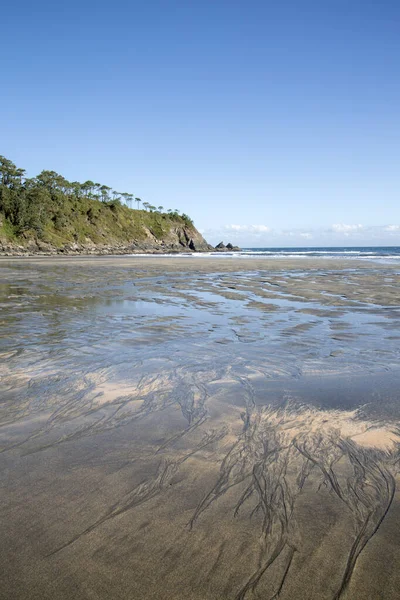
(268, 122)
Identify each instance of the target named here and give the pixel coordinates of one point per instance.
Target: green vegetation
(57, 211)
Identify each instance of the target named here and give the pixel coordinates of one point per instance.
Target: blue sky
(270, 123)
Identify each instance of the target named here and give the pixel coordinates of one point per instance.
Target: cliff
(89, 226)
(49, 214)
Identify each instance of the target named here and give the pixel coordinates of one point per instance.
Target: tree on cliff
(10, 175)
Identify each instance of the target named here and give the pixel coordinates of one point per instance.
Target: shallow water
(181, 431)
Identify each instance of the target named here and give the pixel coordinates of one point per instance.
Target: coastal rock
(228, 248)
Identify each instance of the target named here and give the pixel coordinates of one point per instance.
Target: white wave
(359, 254)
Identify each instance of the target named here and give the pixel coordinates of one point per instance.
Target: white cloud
(251, 236)
(297, 233)
(346, 229)
(248, 228)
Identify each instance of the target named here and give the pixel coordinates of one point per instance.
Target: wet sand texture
(196, 429)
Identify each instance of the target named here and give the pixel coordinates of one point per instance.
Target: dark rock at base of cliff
(220, 246)
(228, 248)
(35, 247)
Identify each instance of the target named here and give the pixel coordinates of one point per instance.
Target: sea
(381, 253)
(385, 254)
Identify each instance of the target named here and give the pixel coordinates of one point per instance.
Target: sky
(269, 123)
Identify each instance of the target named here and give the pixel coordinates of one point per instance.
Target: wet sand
(196, 428)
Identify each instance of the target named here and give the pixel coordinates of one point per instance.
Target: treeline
(30, 203)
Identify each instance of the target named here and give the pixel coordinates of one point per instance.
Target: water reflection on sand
(205, 431)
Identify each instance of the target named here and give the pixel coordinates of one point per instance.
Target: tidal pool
(179, 429)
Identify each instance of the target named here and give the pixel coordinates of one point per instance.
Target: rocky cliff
(103, 229)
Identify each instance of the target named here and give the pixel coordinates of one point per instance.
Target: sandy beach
(199, 428)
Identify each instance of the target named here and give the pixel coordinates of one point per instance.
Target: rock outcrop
(228, 248)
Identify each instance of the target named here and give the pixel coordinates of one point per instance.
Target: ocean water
(386, 254)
